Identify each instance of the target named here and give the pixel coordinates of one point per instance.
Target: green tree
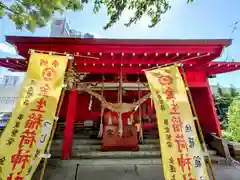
(31, 14)
(233, 130)
(233, 91)
(222, 101)
(219, 90)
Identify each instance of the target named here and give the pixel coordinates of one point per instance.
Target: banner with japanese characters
(182, 154)
(26, 135)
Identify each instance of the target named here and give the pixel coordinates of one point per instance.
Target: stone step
(114, 155)
(75, 136)
(89, 147)
(60, 137)
(116, 162)
(87, 136)
(111, 155)
(59, 142)
(94, 144)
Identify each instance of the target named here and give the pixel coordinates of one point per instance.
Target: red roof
(147, 42)
(133, 54)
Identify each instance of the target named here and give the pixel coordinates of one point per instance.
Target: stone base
(234, 148)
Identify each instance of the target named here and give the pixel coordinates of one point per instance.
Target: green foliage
(233, 130)
(152, 8)
(222, 101)
(36, 13)
(227, 135)
(30, 14)
(224, 124)
(219, 90)
(233, 91)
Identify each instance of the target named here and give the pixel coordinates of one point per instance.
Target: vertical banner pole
(55, 121)
(120, 121)
(140, 113)
(197, 121)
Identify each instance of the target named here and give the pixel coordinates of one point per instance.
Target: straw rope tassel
(197, 121)
(102, 110)
(55, 123)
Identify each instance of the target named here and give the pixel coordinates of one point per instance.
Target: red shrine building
(110, 58)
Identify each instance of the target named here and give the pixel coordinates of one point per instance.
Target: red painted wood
(203, 101)
(133, 67)
(176, 49)
(118, 50)
(69, 125)
(98, 41)
(215, 124)
(117, 47)
(196, 79)
(222, 67)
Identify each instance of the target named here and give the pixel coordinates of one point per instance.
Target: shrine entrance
(119, 111)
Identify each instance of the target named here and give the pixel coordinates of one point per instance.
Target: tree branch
(7, 8)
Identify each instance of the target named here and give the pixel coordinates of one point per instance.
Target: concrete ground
(139, 172)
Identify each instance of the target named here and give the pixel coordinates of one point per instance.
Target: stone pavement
(126, 172)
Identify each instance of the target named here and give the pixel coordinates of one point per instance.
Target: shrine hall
(114, 69)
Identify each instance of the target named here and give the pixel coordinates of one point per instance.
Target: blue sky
(204, 19)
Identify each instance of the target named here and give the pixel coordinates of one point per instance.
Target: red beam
(106, 49)
(108, 60)
(212, 72)
(116, 69)
(222, 67)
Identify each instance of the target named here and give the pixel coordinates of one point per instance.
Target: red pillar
(69, 125)
(216, 122)
(204, 104)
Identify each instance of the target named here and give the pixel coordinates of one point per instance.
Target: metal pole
(76, 172)
(100, 133)
(120, 123)
(140, 112)
(197, 121)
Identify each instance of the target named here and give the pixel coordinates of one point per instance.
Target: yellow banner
(182, 155)
(25, 138)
